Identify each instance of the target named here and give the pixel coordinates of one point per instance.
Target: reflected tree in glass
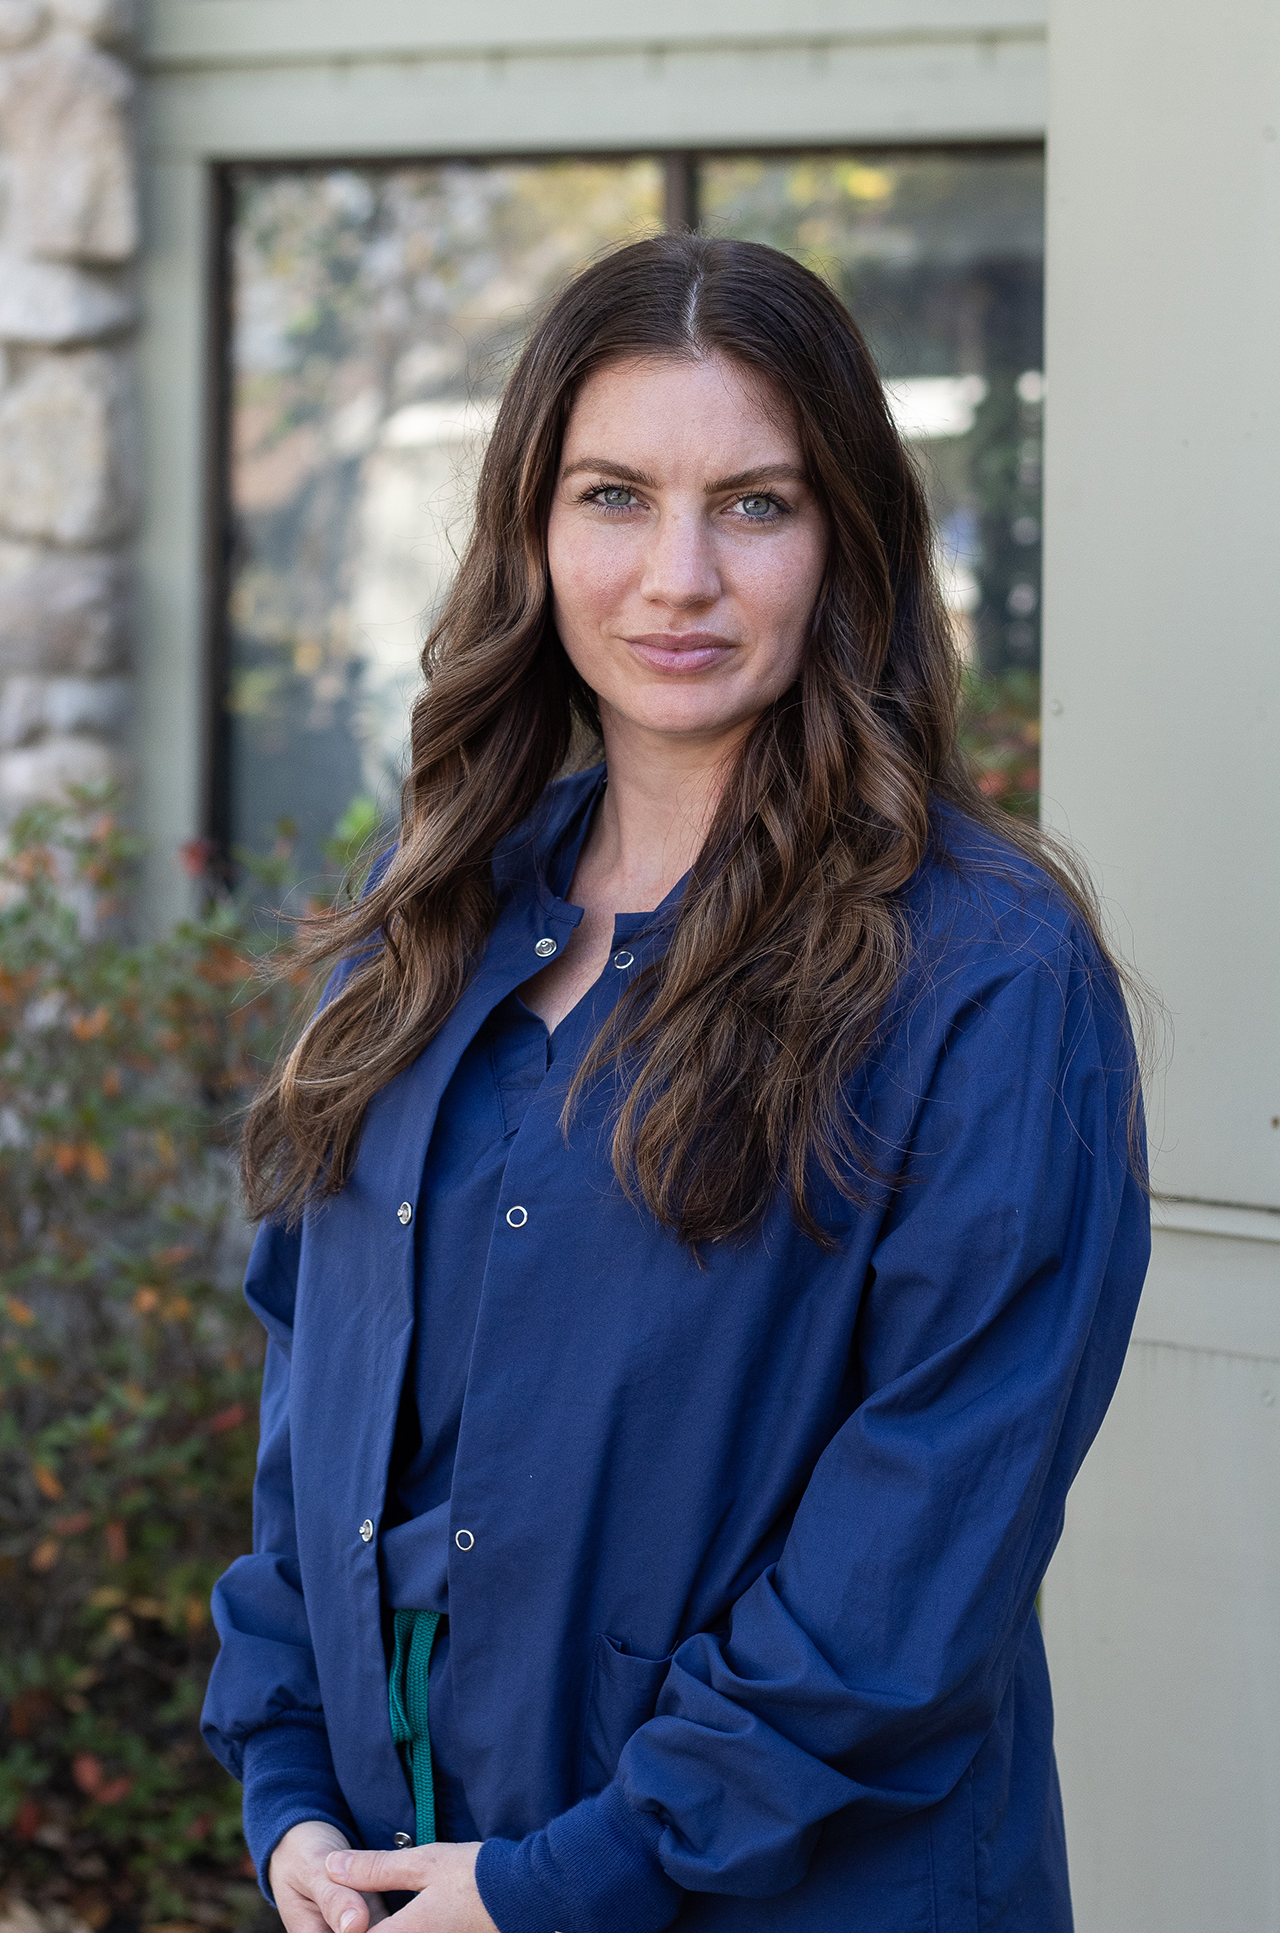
(940, 257)
(375, 315)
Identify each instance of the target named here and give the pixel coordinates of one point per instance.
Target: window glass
(940, 257)
(375, 313)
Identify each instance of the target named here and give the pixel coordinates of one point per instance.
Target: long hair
(734, 1052)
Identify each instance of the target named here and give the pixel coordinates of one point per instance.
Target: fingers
(310, 1900)
(318, 1905)
(344, 1910)
(298, 1914)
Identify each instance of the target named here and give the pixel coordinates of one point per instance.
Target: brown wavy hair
(732, 1053)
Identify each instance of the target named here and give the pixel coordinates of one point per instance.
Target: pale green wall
(1162, 758)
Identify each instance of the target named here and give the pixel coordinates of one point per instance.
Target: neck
(661, 798)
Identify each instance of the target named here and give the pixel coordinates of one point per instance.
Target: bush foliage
(128, 1371)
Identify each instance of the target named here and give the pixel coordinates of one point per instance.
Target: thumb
(381, 1872)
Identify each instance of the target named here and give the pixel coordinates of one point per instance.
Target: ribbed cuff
(593, 1870)
(289, 1777)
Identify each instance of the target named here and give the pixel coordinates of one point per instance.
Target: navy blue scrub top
(742, 1548)
(481, 1113)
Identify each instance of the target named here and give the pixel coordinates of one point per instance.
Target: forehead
(681, 406)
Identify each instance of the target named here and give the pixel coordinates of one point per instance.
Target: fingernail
(339, 1864)
(346, 1920)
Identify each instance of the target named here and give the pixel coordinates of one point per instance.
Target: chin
(689, 721)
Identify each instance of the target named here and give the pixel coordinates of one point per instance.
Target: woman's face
(686, 546)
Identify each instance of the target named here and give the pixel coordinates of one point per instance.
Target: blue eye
(758, 507)
(614, 496)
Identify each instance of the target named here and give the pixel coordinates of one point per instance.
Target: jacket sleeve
(861, 1673)
(262, 1715)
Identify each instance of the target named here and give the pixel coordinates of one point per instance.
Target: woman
(704, 1221)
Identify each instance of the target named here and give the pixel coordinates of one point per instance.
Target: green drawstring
(415, 1635)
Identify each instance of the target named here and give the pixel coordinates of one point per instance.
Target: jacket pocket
(624, 1691)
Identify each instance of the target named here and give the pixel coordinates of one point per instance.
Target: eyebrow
(767, 473)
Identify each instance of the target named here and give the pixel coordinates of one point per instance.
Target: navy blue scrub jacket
(743, 1554)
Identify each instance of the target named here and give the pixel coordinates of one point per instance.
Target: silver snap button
(545, 948)
(517, 1217)
(401, 1840)
(464, 1540)
(366, 1531)
(404, 1214)
(624, 959)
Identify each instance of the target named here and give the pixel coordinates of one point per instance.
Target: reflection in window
(940, 257)
(375, 313)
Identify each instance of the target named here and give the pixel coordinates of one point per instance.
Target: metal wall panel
(190, 32)
(1162, 566)
(1162, 1613)
(1162, 729)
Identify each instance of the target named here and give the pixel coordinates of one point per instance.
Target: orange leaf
(66, 1158)
(89, 1026)
(45, 1555)
(169, 1258)
(227, 1419)
(47, 1482)
(117, 1541)
(18, 1310)
(86, 1770)
(113, 1793)
(96, 1165)
(146, 1300)
(112, 1083)
(72, 1526)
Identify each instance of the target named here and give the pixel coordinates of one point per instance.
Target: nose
(680, 569)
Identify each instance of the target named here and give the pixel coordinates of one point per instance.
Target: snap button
(624, 959)
(464, 1540)
(401, 1840)
(404, 1214)
(517, 1217)
(545, 948)
(366, 1531)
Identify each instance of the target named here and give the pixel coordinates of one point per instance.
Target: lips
(684, 651)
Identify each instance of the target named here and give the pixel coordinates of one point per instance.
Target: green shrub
(1000, 730)
(128, 1379)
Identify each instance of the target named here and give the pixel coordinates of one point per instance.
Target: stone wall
(69, 456)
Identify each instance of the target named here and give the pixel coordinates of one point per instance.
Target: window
(373, 312)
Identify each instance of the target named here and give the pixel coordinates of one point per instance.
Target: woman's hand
(443, 1877)
(309, 1900)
